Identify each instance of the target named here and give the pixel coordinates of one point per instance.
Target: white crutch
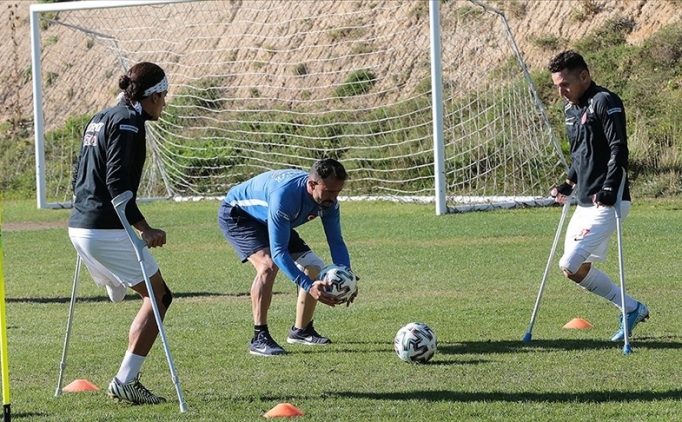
(621, 267)
(120, 203)
(69, 323)
(527, 337)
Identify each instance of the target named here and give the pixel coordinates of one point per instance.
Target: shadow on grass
(594, 396)
(29, 415)
(129, 296)
(507, 346)
(378, 350)
(490, 347)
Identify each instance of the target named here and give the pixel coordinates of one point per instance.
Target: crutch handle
(122, 199)
(619, 197)
(120, 202)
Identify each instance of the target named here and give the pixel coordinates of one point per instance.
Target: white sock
(600, 284)
(130, 367)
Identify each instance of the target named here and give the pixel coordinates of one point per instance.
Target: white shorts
(111, 259)
(590, 230)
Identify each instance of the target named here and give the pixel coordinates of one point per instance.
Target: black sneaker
(264, 345)
(307, 335)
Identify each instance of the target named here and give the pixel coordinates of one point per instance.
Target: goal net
(258, 85)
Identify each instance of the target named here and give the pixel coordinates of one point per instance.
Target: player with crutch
(595, 124)
(110, 163)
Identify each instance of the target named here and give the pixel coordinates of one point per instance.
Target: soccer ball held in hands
(343, 281)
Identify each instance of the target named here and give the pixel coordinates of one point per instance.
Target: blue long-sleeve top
(280, 199)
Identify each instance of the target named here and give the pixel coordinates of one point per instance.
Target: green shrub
(587, 9)
(517, 9)
(300, 69)
(611, 34)
(663, 50)
(358, 82)
(547, 41)
(205, 93)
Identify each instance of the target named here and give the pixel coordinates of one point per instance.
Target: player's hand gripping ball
(343, 281)
(415, 342)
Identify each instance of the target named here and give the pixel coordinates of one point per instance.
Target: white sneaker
(133, 392)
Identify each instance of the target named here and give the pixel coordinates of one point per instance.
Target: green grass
(472, 277)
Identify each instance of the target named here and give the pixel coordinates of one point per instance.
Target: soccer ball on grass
(415, 342)
(343, 282)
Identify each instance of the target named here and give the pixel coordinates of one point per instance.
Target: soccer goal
(421, 101)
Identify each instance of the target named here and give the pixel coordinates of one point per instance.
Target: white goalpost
(421, 101)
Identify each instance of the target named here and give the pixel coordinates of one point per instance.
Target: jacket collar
(589, 93)
(138, 109)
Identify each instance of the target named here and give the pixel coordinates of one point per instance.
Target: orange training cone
(284, 410)
(578, 324)
(80, 385)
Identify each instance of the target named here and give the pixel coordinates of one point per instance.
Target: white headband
(160, 87)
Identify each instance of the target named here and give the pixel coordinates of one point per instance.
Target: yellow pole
(6, 414)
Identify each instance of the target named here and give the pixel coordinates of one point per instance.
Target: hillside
(569, 20)
(563, 22)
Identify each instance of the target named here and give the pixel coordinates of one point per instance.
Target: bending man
(258, 218)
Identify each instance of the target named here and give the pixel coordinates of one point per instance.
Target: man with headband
(112, 155)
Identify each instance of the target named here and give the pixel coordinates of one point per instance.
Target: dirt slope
(529, 20)
(554, 17)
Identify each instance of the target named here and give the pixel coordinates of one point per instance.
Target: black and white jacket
(111, 159)
(597, 135)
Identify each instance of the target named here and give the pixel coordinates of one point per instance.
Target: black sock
(257, 329)
(309, 325)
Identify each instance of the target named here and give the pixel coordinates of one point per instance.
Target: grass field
(473, 278)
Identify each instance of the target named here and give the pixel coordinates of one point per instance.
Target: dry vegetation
(539, 27)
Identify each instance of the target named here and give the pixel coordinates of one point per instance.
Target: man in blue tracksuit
(258, 218)
(595, 124)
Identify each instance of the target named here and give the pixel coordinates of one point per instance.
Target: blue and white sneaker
(641, 313)
(264, 345)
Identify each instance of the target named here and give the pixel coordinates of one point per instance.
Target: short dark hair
(138, 79)
(570, 60)
(328, 167)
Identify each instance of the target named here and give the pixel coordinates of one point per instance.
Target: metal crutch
(528, 336)
(120, 203)
(621, 267)
(69, 323)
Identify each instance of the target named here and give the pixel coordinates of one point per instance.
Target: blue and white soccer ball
(415, 342)
(344, 284)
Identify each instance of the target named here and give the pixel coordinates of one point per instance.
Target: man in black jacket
(110, 162)
(595, 123)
